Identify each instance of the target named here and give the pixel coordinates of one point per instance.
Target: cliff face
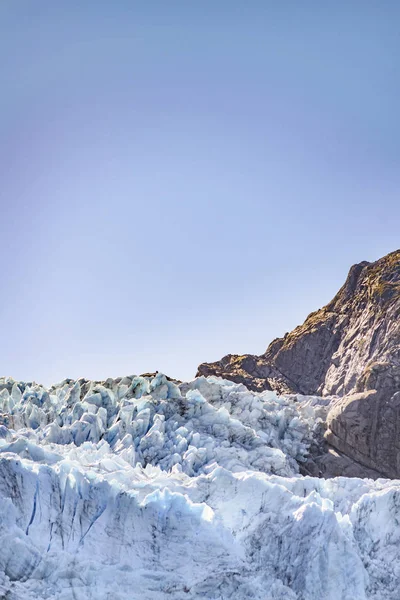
(351, 349)
(337, 348)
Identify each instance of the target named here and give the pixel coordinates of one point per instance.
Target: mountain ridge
(365, 282)
(348, 349)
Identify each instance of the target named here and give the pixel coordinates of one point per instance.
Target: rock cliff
(349, 349)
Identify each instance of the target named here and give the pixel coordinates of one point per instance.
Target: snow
(138, 488)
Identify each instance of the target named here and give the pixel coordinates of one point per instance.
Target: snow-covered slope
(141, 489)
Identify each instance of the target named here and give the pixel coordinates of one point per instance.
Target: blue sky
(181, 180)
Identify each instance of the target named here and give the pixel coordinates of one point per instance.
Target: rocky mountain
(351, 349)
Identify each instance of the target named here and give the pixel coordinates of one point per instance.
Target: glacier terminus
(142, 488)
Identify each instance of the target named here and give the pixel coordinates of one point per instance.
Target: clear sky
(180, 180)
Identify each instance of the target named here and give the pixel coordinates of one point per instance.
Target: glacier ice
(138, 488)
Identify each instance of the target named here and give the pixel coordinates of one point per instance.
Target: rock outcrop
(349, 349)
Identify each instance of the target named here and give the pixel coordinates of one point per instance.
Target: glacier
(142, 488)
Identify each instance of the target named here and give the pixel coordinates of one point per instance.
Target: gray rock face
(350, 349)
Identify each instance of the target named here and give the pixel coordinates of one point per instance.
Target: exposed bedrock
(350, 349)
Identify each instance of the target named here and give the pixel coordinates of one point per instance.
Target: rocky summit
(349, 349)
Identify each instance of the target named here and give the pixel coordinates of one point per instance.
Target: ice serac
(138, 488)
(350, 349)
